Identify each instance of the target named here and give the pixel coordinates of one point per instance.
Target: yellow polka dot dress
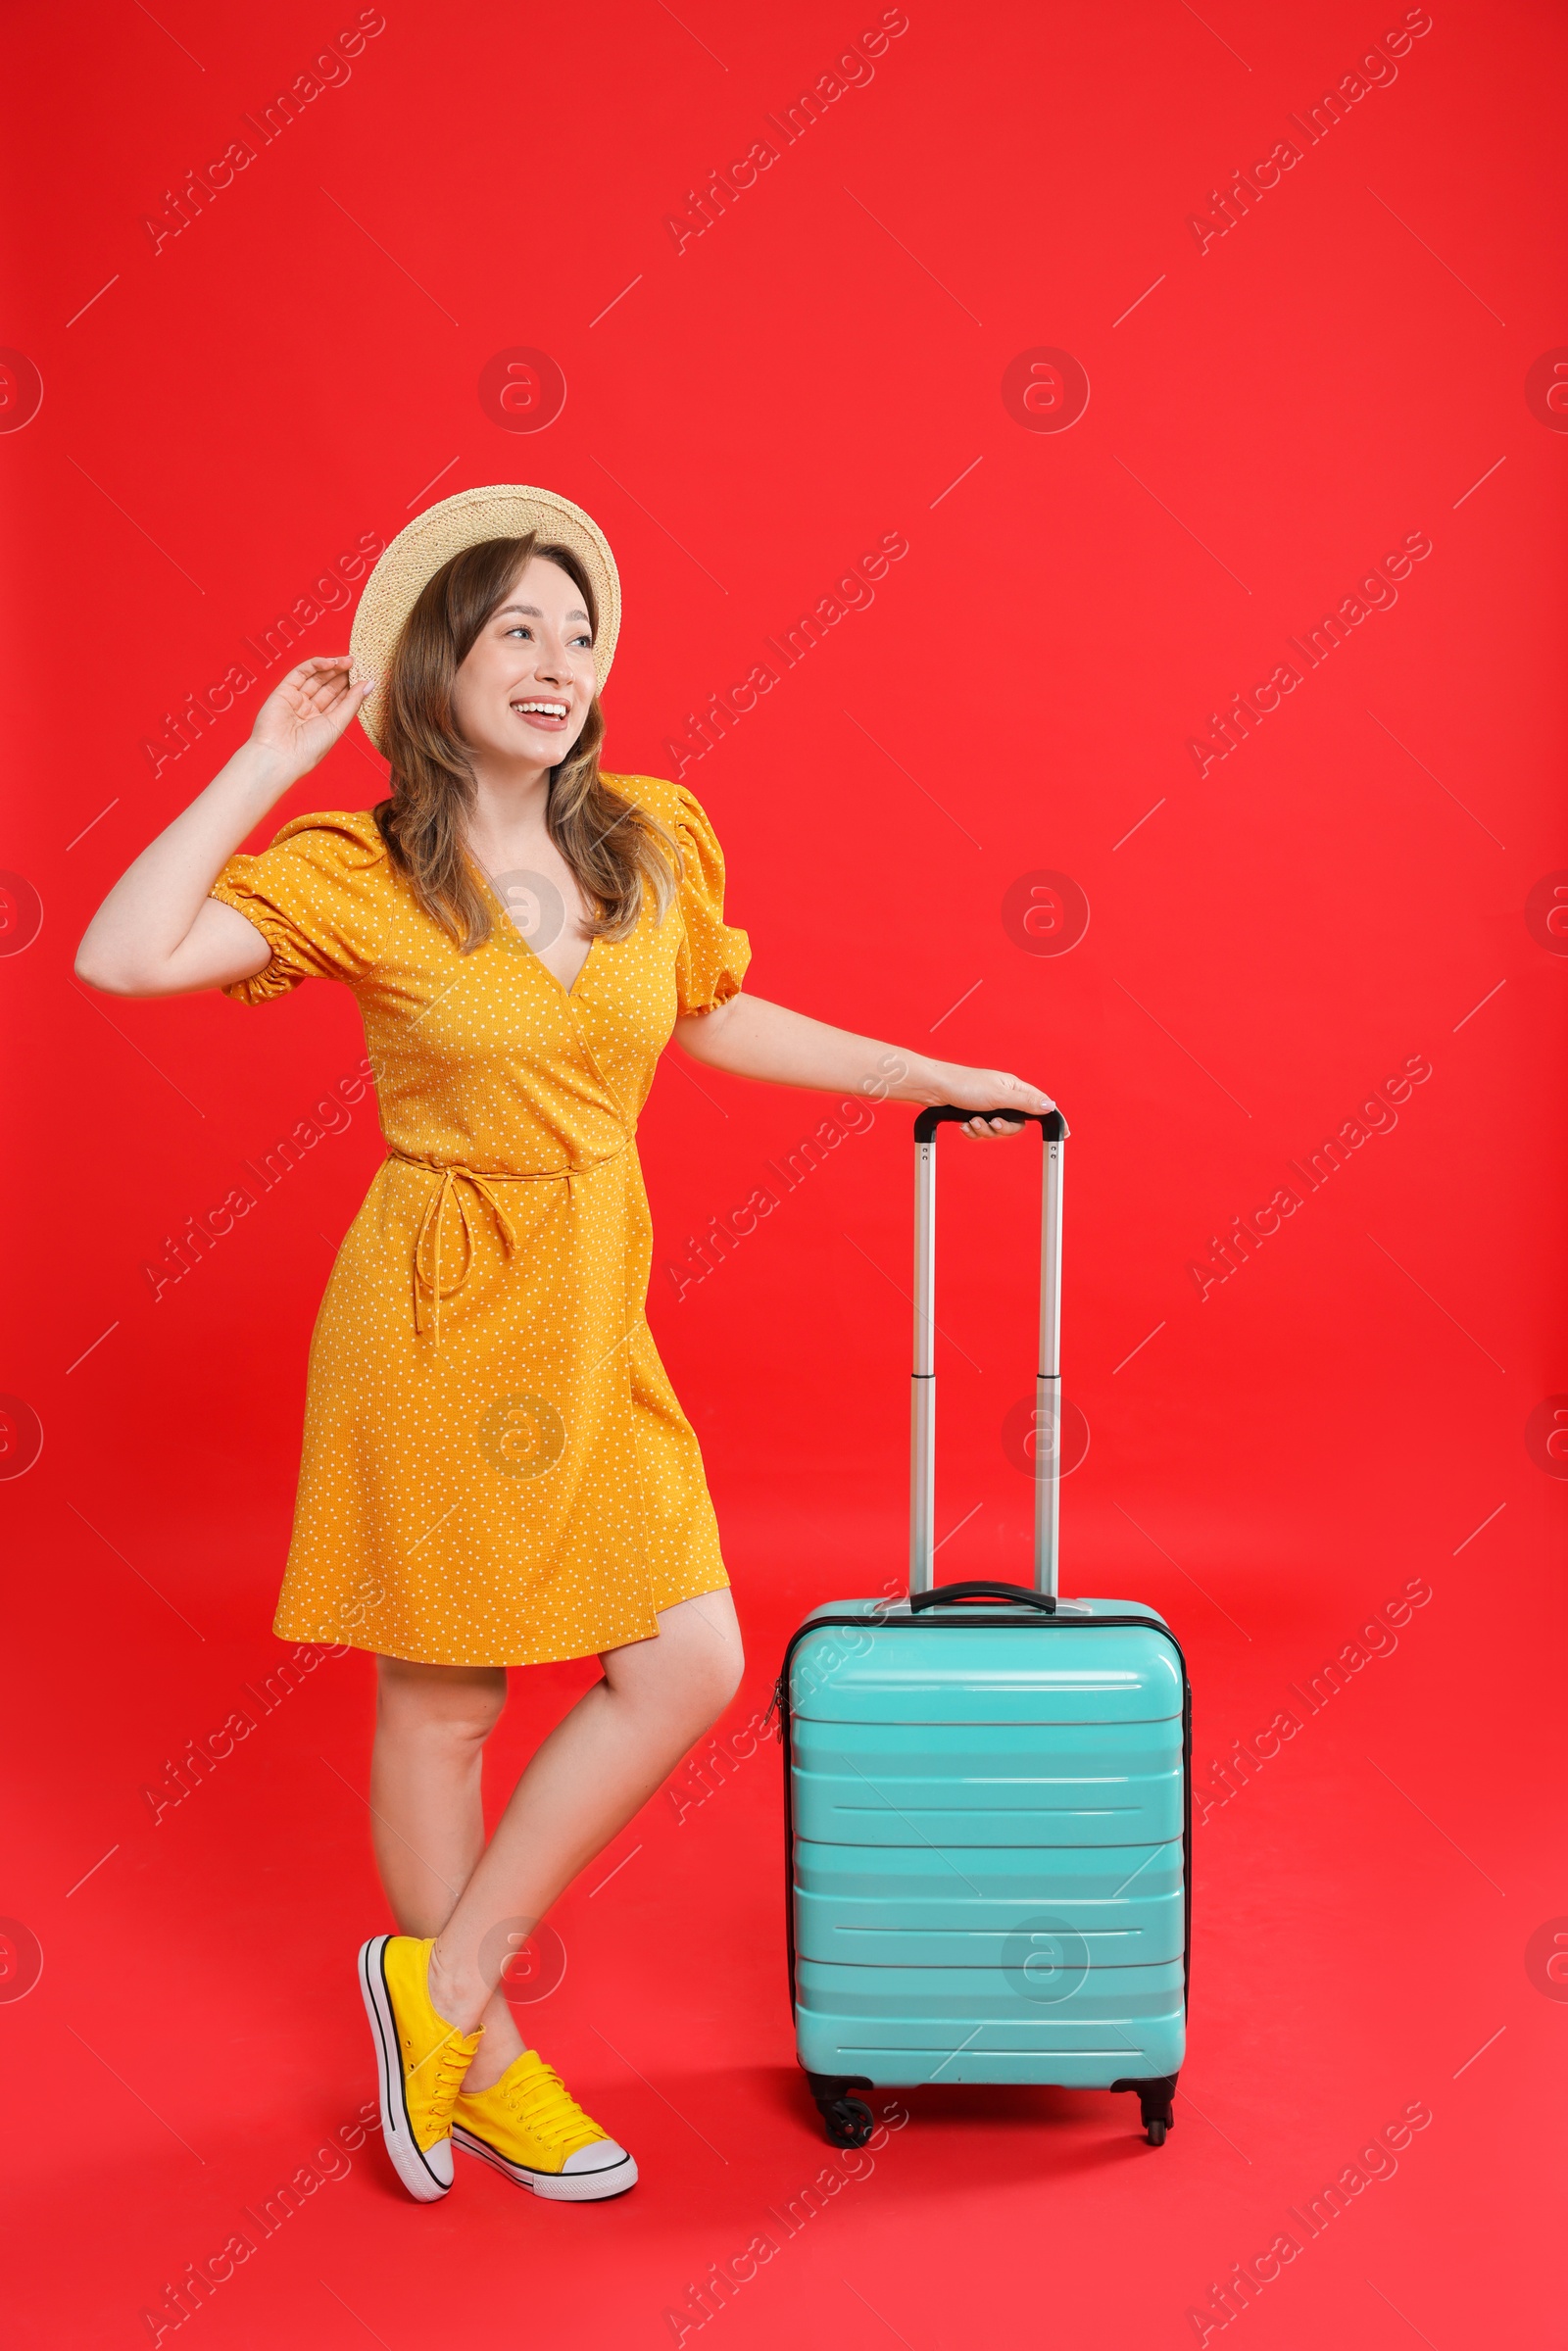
(495, 1468)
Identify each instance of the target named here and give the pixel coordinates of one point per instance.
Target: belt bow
(457, 1185)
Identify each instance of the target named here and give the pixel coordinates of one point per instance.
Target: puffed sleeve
(303, 893)
(714, 956)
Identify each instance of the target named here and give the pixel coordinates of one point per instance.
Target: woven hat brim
(505, 511)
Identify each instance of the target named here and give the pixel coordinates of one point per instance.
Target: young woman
(496, 1471)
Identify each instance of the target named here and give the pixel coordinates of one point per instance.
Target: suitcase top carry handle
(1054, 1128)
(1048, 1378)
(1017, 1594)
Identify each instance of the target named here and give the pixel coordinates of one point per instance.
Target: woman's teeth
(544, 709)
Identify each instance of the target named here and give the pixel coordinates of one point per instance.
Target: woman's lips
(550, 719)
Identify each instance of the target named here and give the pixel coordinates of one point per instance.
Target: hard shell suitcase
(987, 1799)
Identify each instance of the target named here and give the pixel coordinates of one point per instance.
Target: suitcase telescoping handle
(1047, 1380)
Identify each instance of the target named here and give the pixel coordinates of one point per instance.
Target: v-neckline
(528, 950)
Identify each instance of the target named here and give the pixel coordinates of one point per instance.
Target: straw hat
(433, 538)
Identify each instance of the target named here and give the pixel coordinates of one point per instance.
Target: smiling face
(529, 683)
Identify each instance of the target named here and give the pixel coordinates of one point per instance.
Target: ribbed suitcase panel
(1029, 1783)
(963, 1932)
(920, 1875)
(1071, 1994)
(1088, 1751)
(996, 1673)
(914, 2024)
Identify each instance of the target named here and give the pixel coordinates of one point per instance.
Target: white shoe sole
(425, 2171)
(560, 2187)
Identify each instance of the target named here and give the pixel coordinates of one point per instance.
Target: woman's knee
(694, 1666)
(713, 1678)
(459, 1705)
(733, 1666)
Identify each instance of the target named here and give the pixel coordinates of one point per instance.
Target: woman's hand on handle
(994, 1090)
(158, 932)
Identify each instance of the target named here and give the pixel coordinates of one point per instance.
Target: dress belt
(452, 1184)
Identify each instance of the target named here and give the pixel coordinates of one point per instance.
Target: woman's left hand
(995, 1090)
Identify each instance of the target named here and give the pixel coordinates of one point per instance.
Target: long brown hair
(615, 848)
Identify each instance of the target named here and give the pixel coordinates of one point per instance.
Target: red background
(1267, 417)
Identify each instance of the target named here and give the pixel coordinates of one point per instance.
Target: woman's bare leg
(427, 1821)
(596, 1767)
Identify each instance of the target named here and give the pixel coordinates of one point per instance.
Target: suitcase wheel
(1158, 2112)
(1156, 2107)
(848, 2122)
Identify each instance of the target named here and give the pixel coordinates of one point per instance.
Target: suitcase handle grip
(1054, 1128)
(1017, 1594)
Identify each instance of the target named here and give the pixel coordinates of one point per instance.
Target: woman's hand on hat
(305, 713)
(996, 1091)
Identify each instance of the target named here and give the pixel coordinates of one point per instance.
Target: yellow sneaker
(529, 2126)
(420, 2061)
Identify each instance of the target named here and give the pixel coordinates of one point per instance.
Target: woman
(496, 1471)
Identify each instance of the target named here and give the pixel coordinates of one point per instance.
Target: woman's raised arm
(754, 1039)
(158, 933)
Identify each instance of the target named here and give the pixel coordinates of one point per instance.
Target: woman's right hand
(158, 932)
(305, 713)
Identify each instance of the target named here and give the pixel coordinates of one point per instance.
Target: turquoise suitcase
(987, 1801)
